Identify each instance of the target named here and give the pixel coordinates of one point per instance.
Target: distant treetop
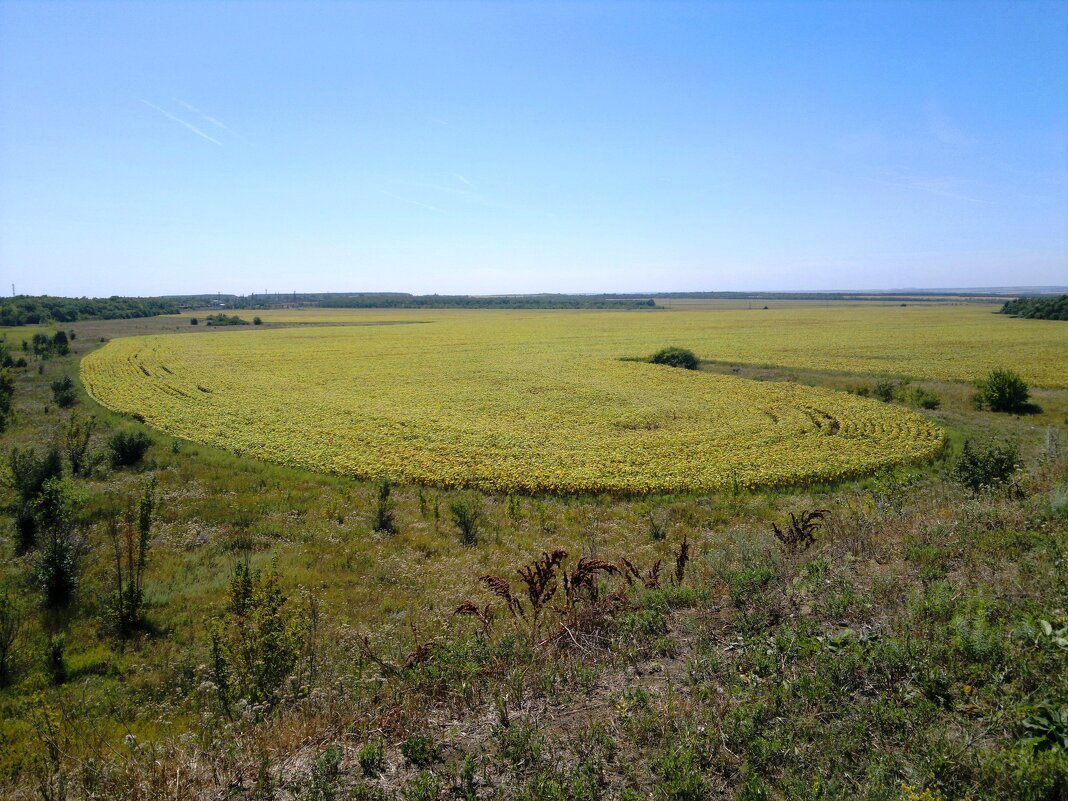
(1038, 308)
(28, 310)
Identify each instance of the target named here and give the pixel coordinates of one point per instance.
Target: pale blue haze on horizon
(161, 148)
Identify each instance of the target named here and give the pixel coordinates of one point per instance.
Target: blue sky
(155, 147)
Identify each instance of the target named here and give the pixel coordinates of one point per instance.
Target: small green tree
(884, 391)
(130, 540)
(76, 439)
(257, 642)
(128, 447)
(676, 357)
(7, 394)
(980, 467)
(29, 474)
(384, 520)
(466, 512)
(63, 392)
(60, 343)
(1002, 391)
(57, 510)
(10, 625)
(42, 345)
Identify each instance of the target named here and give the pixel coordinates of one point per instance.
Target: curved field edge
(421, 406)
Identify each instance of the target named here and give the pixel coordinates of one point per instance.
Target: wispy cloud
(409, 201)
(217, 123)
(466, 194)
(943, 128)
(183, 123)
(462, 179)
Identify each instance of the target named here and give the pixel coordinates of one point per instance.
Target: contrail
(180, 121)
(209, 118)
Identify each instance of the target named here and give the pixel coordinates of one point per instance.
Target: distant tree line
(403, 301)
(1038, 308)
(28, 310)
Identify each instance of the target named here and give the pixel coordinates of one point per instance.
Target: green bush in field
(467, 515)
(986, 466)
(7, 392)
(884, 391)
(29, 474)
(63, 392)
(1002, 391)
(56, 511)
(10, 625)
(384, 520)
(257, 643)
(925, 400)
(128, 447)
(675, 357)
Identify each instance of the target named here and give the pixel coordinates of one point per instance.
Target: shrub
(985, 466)
(467, 515)
(1002, 391)
(7, 392)
(57, 509)
(60, 343)
(42, 345)
(29, 474)
(325, 774)
(371, 758)
(56, 659)
(884, 391)
(924, 399)
(225, 319)
(194, 321)
(76, 437)
(128, 447)
(675, 357)
(384, 521)
(257, 321)
(257, 642)
(10, 624)
(63, 392)
(419, 750)
(130, 540)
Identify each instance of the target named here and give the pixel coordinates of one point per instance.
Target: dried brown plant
(650, 580)
(581, 583)
(503, 590)
(682, 556)
(540, 578)
(800, 534)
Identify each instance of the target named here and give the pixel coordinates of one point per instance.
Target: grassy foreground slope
(530, 404)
